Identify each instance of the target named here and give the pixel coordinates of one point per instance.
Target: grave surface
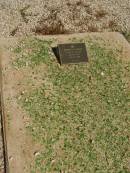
(60, 117)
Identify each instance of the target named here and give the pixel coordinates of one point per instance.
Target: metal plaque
(72, 53)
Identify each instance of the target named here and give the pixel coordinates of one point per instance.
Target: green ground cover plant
(80, 115)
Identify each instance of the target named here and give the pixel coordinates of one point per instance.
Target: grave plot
(71, 118)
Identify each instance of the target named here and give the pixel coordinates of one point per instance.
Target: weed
(112, 25)
(92, 28)
(31, 52)
(23, 13)
(55, 25)
(100, 14)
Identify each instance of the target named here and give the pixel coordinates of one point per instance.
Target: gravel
(23, 17)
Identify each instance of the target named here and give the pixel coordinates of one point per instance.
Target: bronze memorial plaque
(72, 53)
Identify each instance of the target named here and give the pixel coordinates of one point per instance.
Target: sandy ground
(20, 17)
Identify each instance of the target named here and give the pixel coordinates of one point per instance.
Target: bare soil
(21, 147)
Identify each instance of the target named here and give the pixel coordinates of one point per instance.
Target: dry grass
(100, 14)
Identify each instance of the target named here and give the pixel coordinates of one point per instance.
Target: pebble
(36, 153)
